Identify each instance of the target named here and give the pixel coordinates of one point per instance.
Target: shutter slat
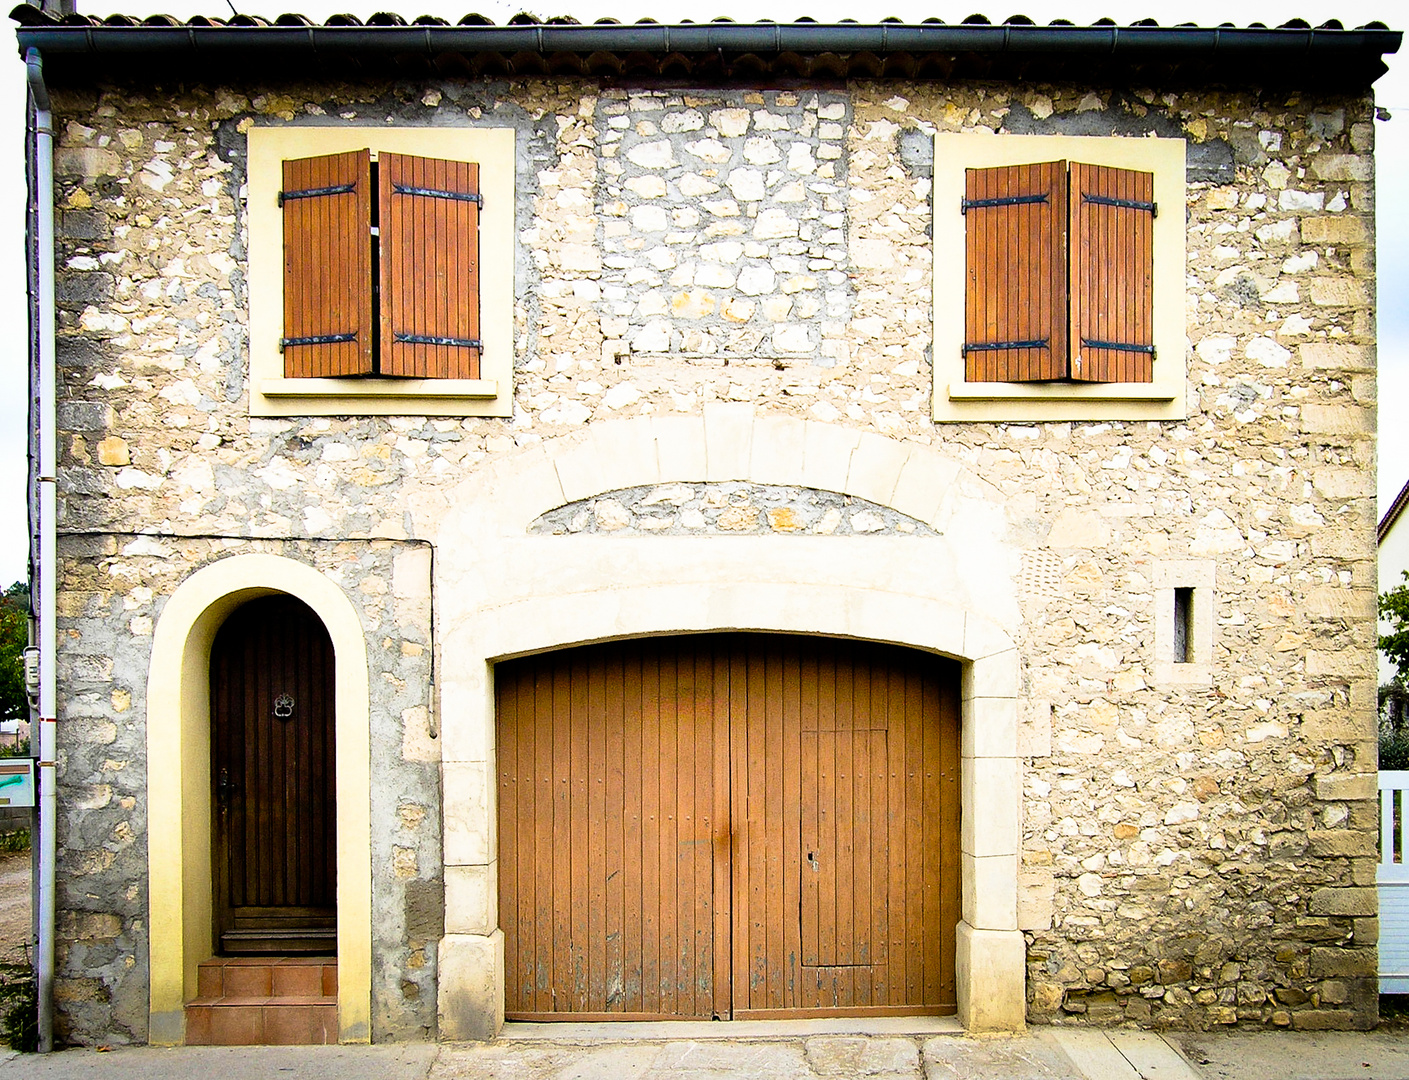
(1112, 274)
(327, 266)
(1015, 254)
(430, 267)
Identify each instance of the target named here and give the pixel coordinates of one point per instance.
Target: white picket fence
(1393, 880)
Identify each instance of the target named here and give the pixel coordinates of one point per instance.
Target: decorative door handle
(223, 789)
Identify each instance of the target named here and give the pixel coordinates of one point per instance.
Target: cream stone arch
(178, 783)
(503, 593)
(727, 441)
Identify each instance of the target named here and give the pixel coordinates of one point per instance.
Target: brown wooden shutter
(1016, 303)
(1112, 274)
(327, 204)
(430, 267)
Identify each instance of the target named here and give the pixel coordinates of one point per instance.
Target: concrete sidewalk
(1043, 1054)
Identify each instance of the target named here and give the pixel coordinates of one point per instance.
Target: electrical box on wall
(17, 782)
(31, 671)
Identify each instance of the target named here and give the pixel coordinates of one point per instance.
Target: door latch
(223, 789)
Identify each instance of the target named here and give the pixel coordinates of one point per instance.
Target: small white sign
(17, 782)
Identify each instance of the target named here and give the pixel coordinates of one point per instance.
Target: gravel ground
(14, 906)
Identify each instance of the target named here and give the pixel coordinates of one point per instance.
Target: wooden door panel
(608, 763)
(840, 835)
(874, 809)
(728, 825)
(272, 698)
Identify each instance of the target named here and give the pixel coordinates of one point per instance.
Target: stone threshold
(614, 1031)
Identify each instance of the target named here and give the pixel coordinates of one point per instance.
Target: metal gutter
(1358, 51)
(47, 567)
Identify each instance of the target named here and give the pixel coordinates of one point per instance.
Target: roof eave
(1231, 55)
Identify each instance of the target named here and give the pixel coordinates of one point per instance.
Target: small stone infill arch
(178, 783)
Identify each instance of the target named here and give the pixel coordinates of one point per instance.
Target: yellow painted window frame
(957, 401)
(490, 395)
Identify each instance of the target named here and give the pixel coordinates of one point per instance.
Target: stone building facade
(722, 415)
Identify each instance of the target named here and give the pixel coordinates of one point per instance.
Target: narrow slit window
(1183, 626)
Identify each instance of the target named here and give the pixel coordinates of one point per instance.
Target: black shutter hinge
(317, 339)
(313, 193)
(439, 193)
(426, 339)
(988, 346)
(1117, 346)
(1007, 200)
(1128, 204)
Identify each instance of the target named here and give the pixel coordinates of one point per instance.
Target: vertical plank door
(855, 799)
(272, 768)
(728, 825)
(610, 825)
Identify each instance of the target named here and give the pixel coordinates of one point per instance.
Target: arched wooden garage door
(728, 825)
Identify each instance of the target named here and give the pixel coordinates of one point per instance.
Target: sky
(1392, 163)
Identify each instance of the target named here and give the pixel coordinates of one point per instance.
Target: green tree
(14, 637)
(1394, 607)
(1394, 695)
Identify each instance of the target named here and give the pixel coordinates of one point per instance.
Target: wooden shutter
(1015, 312)
(430, 267)
(327, 203)
(1112, 274)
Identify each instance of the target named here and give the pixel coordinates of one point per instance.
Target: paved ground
(817, 1058)
(1275, 1055)
(1044, 1054)
(812, 1050)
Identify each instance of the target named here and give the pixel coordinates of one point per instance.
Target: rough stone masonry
(1191, 856)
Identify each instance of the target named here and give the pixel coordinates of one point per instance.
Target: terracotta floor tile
(298, 980)
(248, 981)
(198, 1025)
(264, 1000)
(237, 1025)
(330, 1025)
(210, 981)
(293, 1025)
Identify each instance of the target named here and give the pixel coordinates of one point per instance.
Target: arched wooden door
(728, 825)
(275, 851)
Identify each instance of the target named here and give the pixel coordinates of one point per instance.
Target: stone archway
(178, 783)
(502, 593)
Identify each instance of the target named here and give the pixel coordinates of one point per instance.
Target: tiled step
(264, 1001)
(268, 976)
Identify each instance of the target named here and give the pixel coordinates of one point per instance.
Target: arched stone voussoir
(542, 624)
(727, 442)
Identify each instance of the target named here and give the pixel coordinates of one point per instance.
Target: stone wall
(1191, 854)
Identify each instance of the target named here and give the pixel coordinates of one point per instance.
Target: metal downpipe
(47, 567)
